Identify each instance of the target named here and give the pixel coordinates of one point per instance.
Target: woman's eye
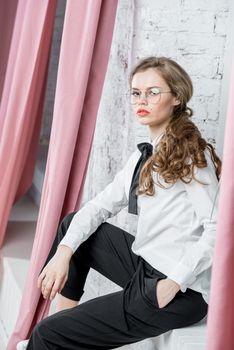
(135, 93)
(154, 92)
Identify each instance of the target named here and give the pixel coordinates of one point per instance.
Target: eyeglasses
(152, 95)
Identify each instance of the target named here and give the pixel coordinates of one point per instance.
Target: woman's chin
(144, 123)
(143, 120)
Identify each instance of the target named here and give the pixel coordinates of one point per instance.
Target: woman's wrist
(174, 284)
(65, 251)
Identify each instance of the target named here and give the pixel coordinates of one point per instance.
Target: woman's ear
(176, 101)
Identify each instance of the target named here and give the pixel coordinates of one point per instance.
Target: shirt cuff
(69, 242)
(182, 275)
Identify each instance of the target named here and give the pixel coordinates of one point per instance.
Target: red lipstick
(142, 112)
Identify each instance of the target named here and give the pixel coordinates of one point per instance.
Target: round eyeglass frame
(129, 95)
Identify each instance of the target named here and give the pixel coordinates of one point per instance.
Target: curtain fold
(221, 314)
(85, 47)
(7, 20)
(22, 101)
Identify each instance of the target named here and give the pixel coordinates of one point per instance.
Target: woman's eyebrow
(150, 87)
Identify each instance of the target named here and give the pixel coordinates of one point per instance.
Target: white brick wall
(194, 34)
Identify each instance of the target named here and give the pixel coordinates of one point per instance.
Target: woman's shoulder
(208, 173)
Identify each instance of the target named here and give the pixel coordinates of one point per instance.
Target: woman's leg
(119, 318)
(63, 303)
(108, 251)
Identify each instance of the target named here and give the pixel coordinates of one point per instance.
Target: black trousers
(123, 317)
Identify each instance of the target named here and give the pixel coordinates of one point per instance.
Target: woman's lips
(142, 112)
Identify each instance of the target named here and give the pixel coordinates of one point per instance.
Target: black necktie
(146, 151)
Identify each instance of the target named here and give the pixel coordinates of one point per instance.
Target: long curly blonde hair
(181, 147)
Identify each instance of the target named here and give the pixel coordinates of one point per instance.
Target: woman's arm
(96, 211)
(198, 257)
(106, 204)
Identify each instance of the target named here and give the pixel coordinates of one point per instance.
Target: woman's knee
(39, 336)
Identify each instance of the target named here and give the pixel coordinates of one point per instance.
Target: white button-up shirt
(176, 227)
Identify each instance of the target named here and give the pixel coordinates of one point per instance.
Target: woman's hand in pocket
(54, 275)
(166, 290)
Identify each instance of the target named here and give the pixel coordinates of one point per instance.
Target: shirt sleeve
(198, 256)
(96, 211)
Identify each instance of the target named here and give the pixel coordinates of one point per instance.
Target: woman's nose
(144, 98)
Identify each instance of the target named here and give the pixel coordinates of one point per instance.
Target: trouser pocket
(150, 289)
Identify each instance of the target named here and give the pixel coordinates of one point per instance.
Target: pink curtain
(22, 101)
(85, 47)
(221, 308)
(7, 19)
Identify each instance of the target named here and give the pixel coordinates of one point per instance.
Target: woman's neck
(154, 136)
(154, 133)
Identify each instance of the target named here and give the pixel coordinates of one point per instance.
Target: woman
(170, 182)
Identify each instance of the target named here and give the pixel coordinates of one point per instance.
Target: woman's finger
(47, 287)
(163, 294)
(63, 284)
(40, 279)
(56, 287)
(44, 282)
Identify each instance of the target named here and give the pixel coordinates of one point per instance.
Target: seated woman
(170, 184)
